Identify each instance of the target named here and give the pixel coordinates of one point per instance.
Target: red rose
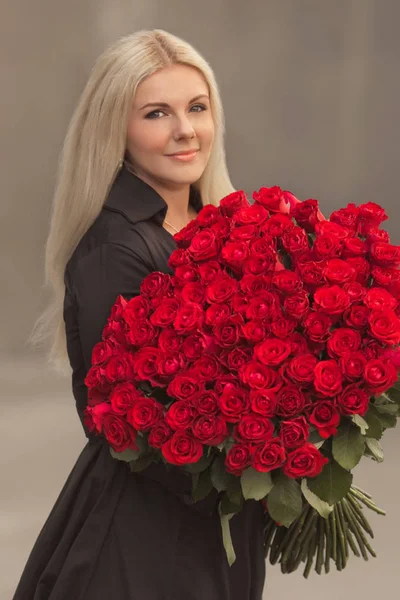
(287, 282)
(353, 246)
(311, 272)
(373, 213)
(327, 245)
(118, 369)
(294, 433)
(272, 198)
(343, 340)
(156, 284)
(384, 254)
(277, 225)
(228, 333)
(169, 341)
(217, 313)
(298, 343)
(141, 333)
(331, 299)
(160, 433)
(221, 289)
(182, 449)
(259, 263)
(96, 379)
(97, 414)
(328, 378)
(254, 331)
(272, 351)
(233, 254)
(362, 268)
(355, 290)
(306, 214)
(328, 227)
(206, 403)
(234, 403)
(238, 458)
(207, 367)
(295, 241)
(145, 363)
(209, 271)
(385, 326)
(210, 429)
(208, 215)
(180, 415)
(374, 234)
(346, 217)
(253, 428)
(244, 233)
(144, 414)
(338, 271)
(252, 285)
(386, 277)
(372, 348)
(263, 402)
(352, 365)
(123, 397)
(379, 299)
(185, 385)
(258, 376)
(188, 318)
(178, 258)
(204, 245)
(301, 369)
(193, 292)
(255, 213)
(271, 455)
(96, 397)
(297, 306)
(118, 433)
(283, 327)
(379, 376)
(353, 400)
(137, 309)
(233, 202)
(102, 352)
(118, 309)
(185, 235)
(222, 228)
(115, 333)
(165, 313)
(194, 345)
(290, 401)
(186, 273)
(326, 418)
(306, 461)
(264, 306)
(356, 316)
(317, 326)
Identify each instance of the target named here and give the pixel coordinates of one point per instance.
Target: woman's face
(178, 119)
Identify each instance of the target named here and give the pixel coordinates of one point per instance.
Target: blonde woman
(143, 153)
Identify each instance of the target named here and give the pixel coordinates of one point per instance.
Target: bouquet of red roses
(266, 366)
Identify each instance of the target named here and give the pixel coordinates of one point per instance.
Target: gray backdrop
(311, 93)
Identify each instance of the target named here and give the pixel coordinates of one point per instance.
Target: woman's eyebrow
(165, 105)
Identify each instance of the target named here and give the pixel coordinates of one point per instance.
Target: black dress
(112, 534)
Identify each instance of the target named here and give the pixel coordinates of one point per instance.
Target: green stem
(340, 534)
(343, 526)
(332, 518)
(368, 502)
(358, 489)
(321, 545)
(311, 553)
(295, 533)
(328, 538)
(357, 511)
(268, 535)
(274, 554)
(356, 530)
(303, 547)
(352, 543)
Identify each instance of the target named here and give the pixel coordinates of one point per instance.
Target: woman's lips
(184, 157)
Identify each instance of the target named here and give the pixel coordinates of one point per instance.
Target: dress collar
(138, 201)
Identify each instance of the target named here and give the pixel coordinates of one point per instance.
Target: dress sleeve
(107, 271)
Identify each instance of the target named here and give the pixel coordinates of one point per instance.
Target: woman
(143, 154)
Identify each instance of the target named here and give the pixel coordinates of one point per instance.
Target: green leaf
(316, 439)
(386, 421)
(375, 429)
(126, 455)
(220, 478)
(332, 484)
(228, 506)
(389, 409)
(141, 463)
(255, 485)
(348, 445)
(203, 487)
(361, 423)
(284, 500)
(199, 466)
(226, 536)
(323, 508)
(394, 393)
(375, 449)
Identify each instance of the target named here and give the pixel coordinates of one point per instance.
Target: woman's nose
(183, 128)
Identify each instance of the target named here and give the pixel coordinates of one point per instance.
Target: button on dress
(113, 534)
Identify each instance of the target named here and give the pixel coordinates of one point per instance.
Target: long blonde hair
(94, 146)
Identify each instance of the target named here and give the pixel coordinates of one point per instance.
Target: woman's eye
(153, 114)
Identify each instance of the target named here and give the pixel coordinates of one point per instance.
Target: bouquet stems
(317, 541)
